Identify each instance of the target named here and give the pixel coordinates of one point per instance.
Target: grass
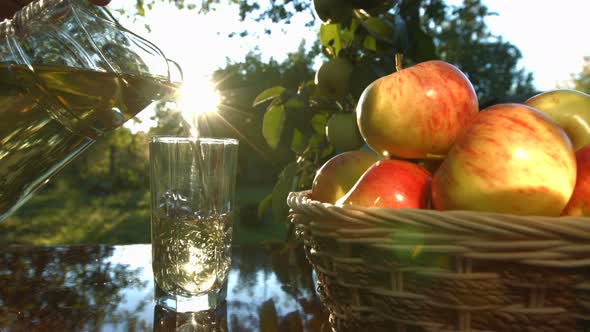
(62, 215)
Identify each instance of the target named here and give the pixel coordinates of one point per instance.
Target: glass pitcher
(69, 72)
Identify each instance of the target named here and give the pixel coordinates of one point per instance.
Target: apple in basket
(511, 159)
(416, 111)
(579, 203)
(339, 174)
(570, 109)
(392, 184)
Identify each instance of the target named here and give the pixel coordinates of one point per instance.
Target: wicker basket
(423, 270)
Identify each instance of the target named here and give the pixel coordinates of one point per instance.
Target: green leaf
(272, 125)
(330, 37)
(370, 43)
(140, 8)
(423, 47)
(347, 37)
(285, 184)
(294, 103)
(318, 122)
(264, 205)
(401, 38)
(327, 151)
(268, 94)
(379, 28)
(317, 141)
(298, 142)
(354, 24)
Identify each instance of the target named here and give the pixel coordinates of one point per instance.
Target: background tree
(582, 79)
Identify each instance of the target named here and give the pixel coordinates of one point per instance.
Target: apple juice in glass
(192, 198)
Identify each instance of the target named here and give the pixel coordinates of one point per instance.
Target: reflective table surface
(111, 288)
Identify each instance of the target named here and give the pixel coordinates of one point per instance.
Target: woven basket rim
(557, 242)
(469, 222)
(303, 197)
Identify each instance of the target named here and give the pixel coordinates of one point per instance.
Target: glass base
(213, 320)
(207, 301)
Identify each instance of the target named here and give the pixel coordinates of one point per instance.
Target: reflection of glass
(68, 74)
(212, 320)
(193, 189)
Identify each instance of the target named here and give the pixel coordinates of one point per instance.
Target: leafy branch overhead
(358, 41)
(318, 118)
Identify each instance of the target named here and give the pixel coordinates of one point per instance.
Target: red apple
(579, 203)
(416, 111)
(392, 184)
(339, 174)
(511, 159)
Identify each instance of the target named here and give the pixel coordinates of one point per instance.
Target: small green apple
(570, 109)
(343, 133)
(333, 11)
(335, 178)
(333, 76)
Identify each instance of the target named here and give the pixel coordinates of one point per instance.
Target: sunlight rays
(198, 96)
(203, 108)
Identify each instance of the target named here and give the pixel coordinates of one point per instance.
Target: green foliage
(272, 124)
(330, 38)
(582, 79)
(202, 6)
(68, 214)
(268, 94)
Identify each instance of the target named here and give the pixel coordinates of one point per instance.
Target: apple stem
(435, 156)
(398, 61)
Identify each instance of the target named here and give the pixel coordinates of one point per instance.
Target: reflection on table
(110, 288)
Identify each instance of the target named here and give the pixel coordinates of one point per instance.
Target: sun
(198, 96)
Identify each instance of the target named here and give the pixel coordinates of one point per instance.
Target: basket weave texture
(423, 270)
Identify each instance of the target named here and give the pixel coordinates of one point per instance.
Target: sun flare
(197, 97)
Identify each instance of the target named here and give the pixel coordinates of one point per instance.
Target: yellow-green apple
(416, 111)
(511, 159)
(339, 174)
(579, 203)
(568, 108)
(343, 133)
(391, 184)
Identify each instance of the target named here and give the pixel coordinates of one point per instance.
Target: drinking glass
(192, 206)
